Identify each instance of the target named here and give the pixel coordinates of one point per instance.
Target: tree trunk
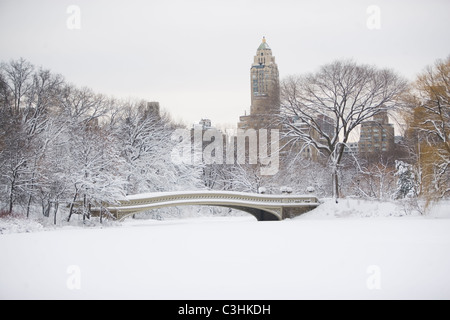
(84, 208)
(47, 208)
(29, 205)
(335, 184)
(32, 187)
(55, 211)
(11, 195)
(71, 206)
(11, 200)
(339, 153)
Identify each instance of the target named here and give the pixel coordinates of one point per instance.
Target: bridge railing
(273, 203)
(268, 199)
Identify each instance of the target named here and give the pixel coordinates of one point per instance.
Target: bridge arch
(259, 213)
(263, 207)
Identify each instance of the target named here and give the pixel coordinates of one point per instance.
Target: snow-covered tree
(16, 83)
(369, 178)
(323, 109)
(246, 178)
(428, 122)
(27, 127)
(88, 153)
(63, 144)
(145, 144)
(40, 126)
(300, 174)
(407, 185)
(13, 159)
(92, 163)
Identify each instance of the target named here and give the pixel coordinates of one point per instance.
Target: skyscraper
(265, 91)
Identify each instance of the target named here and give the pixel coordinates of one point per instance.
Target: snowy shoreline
(345, 208)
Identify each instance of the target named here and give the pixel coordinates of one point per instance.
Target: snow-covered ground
(335, 251)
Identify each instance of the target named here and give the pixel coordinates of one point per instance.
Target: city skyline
(194, 58)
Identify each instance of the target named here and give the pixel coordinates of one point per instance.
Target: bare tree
(83, 105)
(17, 75)
(309, 174)
(428, 122)
(374, 180)
(144, 137)
(246, 178)
(4, 92)
(39, 125)
(322, 109)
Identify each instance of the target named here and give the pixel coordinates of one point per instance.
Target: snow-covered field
(335, 251)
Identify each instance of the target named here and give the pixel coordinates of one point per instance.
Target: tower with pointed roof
(265, 90)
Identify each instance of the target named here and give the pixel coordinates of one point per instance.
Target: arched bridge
(263, 207)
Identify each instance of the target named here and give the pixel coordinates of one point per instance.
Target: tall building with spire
(265, 91)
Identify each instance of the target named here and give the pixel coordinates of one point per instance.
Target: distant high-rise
(377, 135)
(150, 109)
(265, 91)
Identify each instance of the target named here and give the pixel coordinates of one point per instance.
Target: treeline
(348, 94)
(426, 116)
(61, 144)
(321, 110)
(418, 167)
(65, 145)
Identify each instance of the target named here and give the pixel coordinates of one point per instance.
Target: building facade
(377, 136)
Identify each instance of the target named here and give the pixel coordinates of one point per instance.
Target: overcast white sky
(195, 56)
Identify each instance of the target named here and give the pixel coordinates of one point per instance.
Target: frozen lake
(232, 258)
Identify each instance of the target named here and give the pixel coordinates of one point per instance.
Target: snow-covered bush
(407, 185)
